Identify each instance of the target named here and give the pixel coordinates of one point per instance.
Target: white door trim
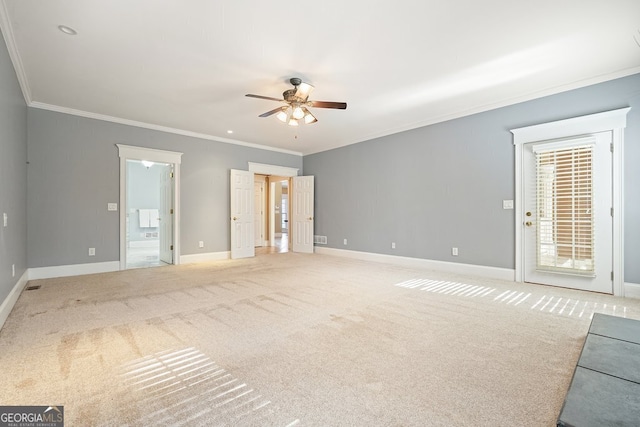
(264, 169)
(128, 152)
(614, 121)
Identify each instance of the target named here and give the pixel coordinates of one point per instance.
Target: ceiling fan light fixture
(282, 115)
(298, 112)
(303, 90)
(308, 117)
(294, 112)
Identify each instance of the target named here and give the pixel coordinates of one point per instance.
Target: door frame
(129, 152)
(260, 180)
(273, 170)
(609, 121)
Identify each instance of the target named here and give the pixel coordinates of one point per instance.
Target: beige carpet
(292, 339)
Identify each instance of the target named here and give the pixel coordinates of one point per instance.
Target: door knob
(234, 218)
(528, 223)
(310, 218)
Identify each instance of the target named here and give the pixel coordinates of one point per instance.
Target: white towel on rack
(144, 216)
(154, 218)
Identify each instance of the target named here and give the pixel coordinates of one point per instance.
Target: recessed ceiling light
(67, 30)
(229, 131)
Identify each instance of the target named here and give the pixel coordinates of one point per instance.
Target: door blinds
(565, 217)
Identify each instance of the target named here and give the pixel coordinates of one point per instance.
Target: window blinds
(564, 201)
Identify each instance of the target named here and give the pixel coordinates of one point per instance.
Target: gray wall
(74, 172)
(13, 176)
(441, 186)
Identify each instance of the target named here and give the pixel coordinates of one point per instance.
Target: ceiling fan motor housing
(290, 96)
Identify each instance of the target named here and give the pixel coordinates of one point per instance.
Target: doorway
(542, 251)
(567, 229)
(279, 214)
(148, 233)
(298, 209)
(149, 207)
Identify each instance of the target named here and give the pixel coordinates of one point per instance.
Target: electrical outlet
(201, 244)
(393, 245)
(507, 204)
(454, 251)
(92, 251)
(112, 206)
(345, 241)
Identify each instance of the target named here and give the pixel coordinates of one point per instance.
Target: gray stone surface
(616, 327)
(605, 389)
(597, 400)
(612, 357)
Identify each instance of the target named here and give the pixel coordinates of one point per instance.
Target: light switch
(112, 206)
(5, 219)
(507, 204)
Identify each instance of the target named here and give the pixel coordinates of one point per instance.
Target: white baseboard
(450, 267)
(631, 290)
(210, 256)
(12, 298)
(73, 270)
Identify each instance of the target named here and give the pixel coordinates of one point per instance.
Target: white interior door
(242, 217)
(166, 215)
(258, 204)
(302, 214)
(567, 216)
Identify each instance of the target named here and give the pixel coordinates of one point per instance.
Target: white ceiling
(185, 65)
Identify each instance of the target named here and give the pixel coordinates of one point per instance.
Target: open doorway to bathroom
(149, 200)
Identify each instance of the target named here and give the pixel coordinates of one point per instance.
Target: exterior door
(302, 214)
(567, 216)
(242, 217)
(166, 215)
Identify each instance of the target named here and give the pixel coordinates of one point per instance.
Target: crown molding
(103, 117)
(7, 32)
(492, 106)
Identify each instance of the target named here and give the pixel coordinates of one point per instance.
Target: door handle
(234, 218)
(528, 223)
(310, 218)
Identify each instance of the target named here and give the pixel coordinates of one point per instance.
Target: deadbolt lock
(528, 214)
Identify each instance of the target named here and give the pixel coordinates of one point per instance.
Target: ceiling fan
(297, 101)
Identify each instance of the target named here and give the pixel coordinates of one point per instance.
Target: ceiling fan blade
(272, 112)
(328, 104)
(250, 95)
(303, 90)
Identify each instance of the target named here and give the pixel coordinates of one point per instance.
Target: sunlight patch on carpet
(185, 387)
(560, 306)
